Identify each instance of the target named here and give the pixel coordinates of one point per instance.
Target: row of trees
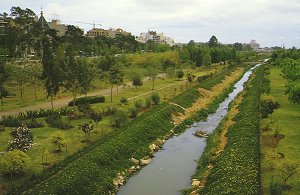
(289, 60)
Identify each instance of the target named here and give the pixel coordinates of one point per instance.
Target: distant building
(112, 33)
(54, 24)
(158, 38)
(255, 46)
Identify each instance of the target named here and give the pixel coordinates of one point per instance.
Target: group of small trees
(289, 61)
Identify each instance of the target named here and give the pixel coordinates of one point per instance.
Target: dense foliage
(289, 60)
(88, 100)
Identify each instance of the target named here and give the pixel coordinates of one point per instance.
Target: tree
(206, 60)
(4, 75)
(59, 140)
(34, 73)
(293, 92)
(78, 74)
(152, 72)
(87, 128)
(14, 161)
(213, 41)
(51, 71)
(21, 75)
(115, 78)
(136, 79)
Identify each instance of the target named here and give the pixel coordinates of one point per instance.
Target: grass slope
(287, 120)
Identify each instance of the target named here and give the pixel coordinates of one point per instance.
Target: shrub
(14, 161)
(119, 119)
(148, 102)
(96, 116)
(108, 111)
(87, 128)
(59, 140)
(179, 74)
(133, 112)
(32, 123)
(204, 77)
(123, 100)
(56, 121)
(11, 121)
(87, 100)
(138, 104)
(23, 139)
(2, 128)
(84, 108)
(155, 98)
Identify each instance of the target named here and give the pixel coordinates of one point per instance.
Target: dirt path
(64, 102)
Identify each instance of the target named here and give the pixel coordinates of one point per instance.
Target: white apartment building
(158, 38)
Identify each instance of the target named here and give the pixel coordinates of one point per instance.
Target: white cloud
(267, 21)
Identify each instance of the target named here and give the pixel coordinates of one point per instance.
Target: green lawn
(287, 120)
(13, 103)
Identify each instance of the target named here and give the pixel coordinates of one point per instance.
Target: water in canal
(172, 167)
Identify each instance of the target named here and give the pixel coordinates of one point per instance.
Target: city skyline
(270, 23)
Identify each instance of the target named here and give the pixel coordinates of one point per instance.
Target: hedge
(87, 100)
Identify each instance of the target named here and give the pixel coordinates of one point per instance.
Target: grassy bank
(93, 168)
(233, 169)
(286, 121)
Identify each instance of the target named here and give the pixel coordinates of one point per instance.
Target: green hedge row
(87, 100)
(236, 170)
(93, 168)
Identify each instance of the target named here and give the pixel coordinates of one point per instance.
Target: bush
(123, 100)
(148, 102)
(11, 121)
(179, 74)
(56, 121)
(96, 116)
(2, 128)
(108, 111)
(84, 108)
(32, 123)
(87, 100)
(275, 188)
(23, 139)
(59, 140)
(133, 112)
(119, 119)
(14, 161)
(155, 98)
(204, 77)
(138, 104)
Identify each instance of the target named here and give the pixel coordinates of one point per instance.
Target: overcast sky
(269, 22)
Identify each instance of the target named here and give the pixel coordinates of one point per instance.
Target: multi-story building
(108, 33)
(158, 38)
(54, 24)
(255, 46)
